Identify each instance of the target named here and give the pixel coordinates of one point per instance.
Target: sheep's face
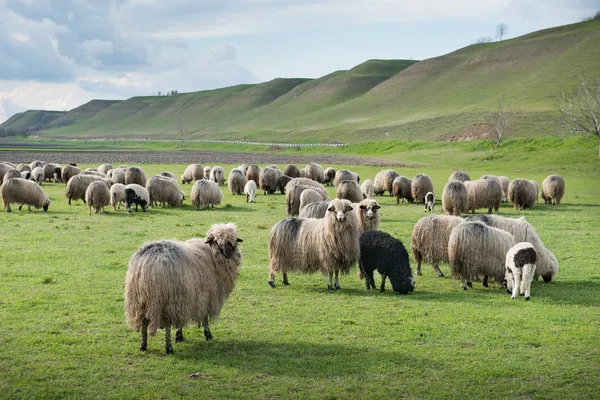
(46, 204)
(341, 208)
(369, 209)
(224, 238)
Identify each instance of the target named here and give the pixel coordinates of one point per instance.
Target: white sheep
(520, 269)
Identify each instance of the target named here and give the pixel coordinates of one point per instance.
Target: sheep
(138, 195)
(476, 249)
(329, 176)
(327, 245)
(193, 172)
(292, 171)
(384, 181)
(21, 191)
(9, 164)
(169, 175)
(504, 182)
(117, 195)
(459, 176)
(401, 189)
(386, 254)
(236, 181)
(12, 173)
(135, 175)
(317, 209)
(282, 182)
(302, 173)
(104, 168)
(429, 240)
(206, 193)
(315, 172)
(217, 175)
(522, 193)
(553, 189)
(454, 198)
(520, 269)
(368, 215)
(345, 175)
(37, 175)
(309, 196)
(4, 168)
(267, 180)
(250, 191)
(78, 184)
(170, 283)
(118, 176)
(36, 164)
(243, 168)
(67, 172)
(483, 193)
(52, 172)
(429, 201)
(23, 167)
(253, 173)
(349, 190)
(547, 264)
(367, 189)
(207, 170)
(94, 172)
(26, 175)
(164, 191)
(293, 190)
(420, 186)
(97, 195)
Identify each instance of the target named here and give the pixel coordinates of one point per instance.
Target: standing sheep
(52, 172)
(78, 184)
(329, 176)
(206, 193)
(236, 182)
(267, 180)
(36, 164)
(68, 172)
(522, 193)
(207, 170)
(217, 175)
(314, 172)
(21, 191)
(302, 173)
(136, 176)
(520, 269)
(253, 173)
(459, 176)
(4, 168)
(367, 189)
(386, 254)
(118, 176)
(429, 201)
(420, 186)
(429, 240)
(294, 189)
(368, 215)
(317, 209)
(12, 173)
(504, 182)
(309, 196)
(23, 167)
(26, 175)
(37, 175)
(250, 191)
(349, 190)
(483, 193)
(97, 195)
(138, 195)
(327, 245)
(402, 189)
(346, 175)
(170, 283)
(292, 171)
(384, 181)
(282, 182)
(193, 172)
(243, 168)
(163, 190)
(117, 195)
(104, 168)
(454, 198)
(553, 189)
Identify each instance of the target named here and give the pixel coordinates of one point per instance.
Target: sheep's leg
(516, 285)
(207, 333)
(7, 207)
(90, 213)
(438, 271)
(330, 283)
(284, 280)
(179, 335)
(419, 266)
(337, 279)
(168, 345)
(485, 281)
(272, 279)
(382, 287)
(144, 344)
(528, 272)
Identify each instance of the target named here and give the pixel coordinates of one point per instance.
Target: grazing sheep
(250, 191)
(117, 195)
(68, 172)
(37, 175)
(193, 172)
(293, 190)
(78, 184)
(104, 168)
(317, 209)
(520, 269)
(36, 164)
(206, 193)
(207, 170)
(21, 191)
(476, 249)
(483, 193)
(368, 215)
(282, 182)
(346, 175)
(547, 264)
(13, 173)
(292, 171)
(327, 245)
(349, 190)
(329, 176)
(267, 180)
(52, 172)
(367, 189)
(138, 195)
(253, 173)
(386, 254)
(94, 172)
(236, 181)
(169, 175)
(162, 190)
(384, 181)
(118, 176)
(26, 175)
(420, 186)
(429, 240)
(23, 167)
(303, 173)
(243, 168)
(553, 189)
(522, 193)
(402, 189)
(504, 182)
(170, 283)
(97, 195)
(217, 175)
(459, 176)
(135, 175)
(315, 172)
(429, 201)
(309, 196)
(454, 198)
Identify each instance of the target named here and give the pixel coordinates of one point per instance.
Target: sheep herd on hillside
(171, 283)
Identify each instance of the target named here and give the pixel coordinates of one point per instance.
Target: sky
(59, 54)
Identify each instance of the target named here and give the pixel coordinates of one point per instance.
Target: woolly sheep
(386, 254)
(37, 175)
(454, 198)
(367, 189)
(26, 175)
(9, 164)
(329, 176)
(368, 215)
(282, 182)
(12, 173)
(170, 283)
(303, 173)
(429, 240)
(243, 168)
(193, 172)
(402, 189)
(253, 173)
(97, 195)
(429, 201)
(104, 168)
(78, 184)
(309, 196)
(21, 191)
(349, 190)
(459, 176)
(420, 186)
(217, 175)
(162, 190)
(522, 193)
(138, 195)
(483, 193)
(327, 245)
(317, 209)
(207, 170)
(52, 172)
(346, 175)
(504, 182)
(250, 191)
(236, 181)
(553, 189)
(94, 172)
(520, 269)
(315, 172)
(292, 171)
(118, 176)
(476, 249)
(267, 180)
(384, 181)
(294, 189)
(69, 171)
(117, 195)
(169, 175)
(36, 164)
(206, 193)
(23, 167)
(135, 175)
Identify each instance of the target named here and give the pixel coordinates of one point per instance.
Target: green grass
(63, 332)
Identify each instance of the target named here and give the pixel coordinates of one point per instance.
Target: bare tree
(180, 125)
(502, 123)
(501, 31)
(579, 109)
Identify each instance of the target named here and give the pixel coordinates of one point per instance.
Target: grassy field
(63, 331)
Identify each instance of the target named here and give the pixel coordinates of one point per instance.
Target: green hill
(450, 97)
(29, 121)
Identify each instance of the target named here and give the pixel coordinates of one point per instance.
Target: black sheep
(132, 198)
(382, 252)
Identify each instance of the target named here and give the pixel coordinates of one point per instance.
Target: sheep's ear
(332, 208)
(363, 207)
(348, 208)
(209, 239)
(376, 207)
(239, 240)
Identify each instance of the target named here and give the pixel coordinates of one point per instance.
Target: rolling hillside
(450, 97)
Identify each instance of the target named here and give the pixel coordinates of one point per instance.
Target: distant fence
(271, 144)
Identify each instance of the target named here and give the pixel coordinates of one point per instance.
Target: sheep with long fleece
(402, 189)
(386, 254)
(547, 264)
(317, 209)
(329, 176)
(315, 172)
(349, 190)
(459, 176)
(97, 195)
(253, 173)
(267, 180)
(162, 190)
(37, 175)
(520, 269)
(69, 171)
(236, 181)
(12, 173)
(309, 196)
(206, 193)
(483, 193)
(429, 240)
(250, 191)
(23, 167)
(138, 195)
(420, 186)
(118, 176)
(170, 283)
(503, 181)
(52, 172)
(136, 176)
(117, 195)
(522, 193)
(384, 181)
(104, 168)
(292, 171)
(217, 175)
(193, 172)
(329, 245)
(345, 175)
(294, 189)
(36, 164)
(21, 191)
(207, 170)
(169, 175)
(454, 198)
(368, 215)
(476, 249)
(367, 189)
(553, 189)
(78, 184)
(282, 182)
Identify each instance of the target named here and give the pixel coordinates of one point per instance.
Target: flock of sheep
(170, 283)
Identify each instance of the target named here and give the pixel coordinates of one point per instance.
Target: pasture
(63, 331)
